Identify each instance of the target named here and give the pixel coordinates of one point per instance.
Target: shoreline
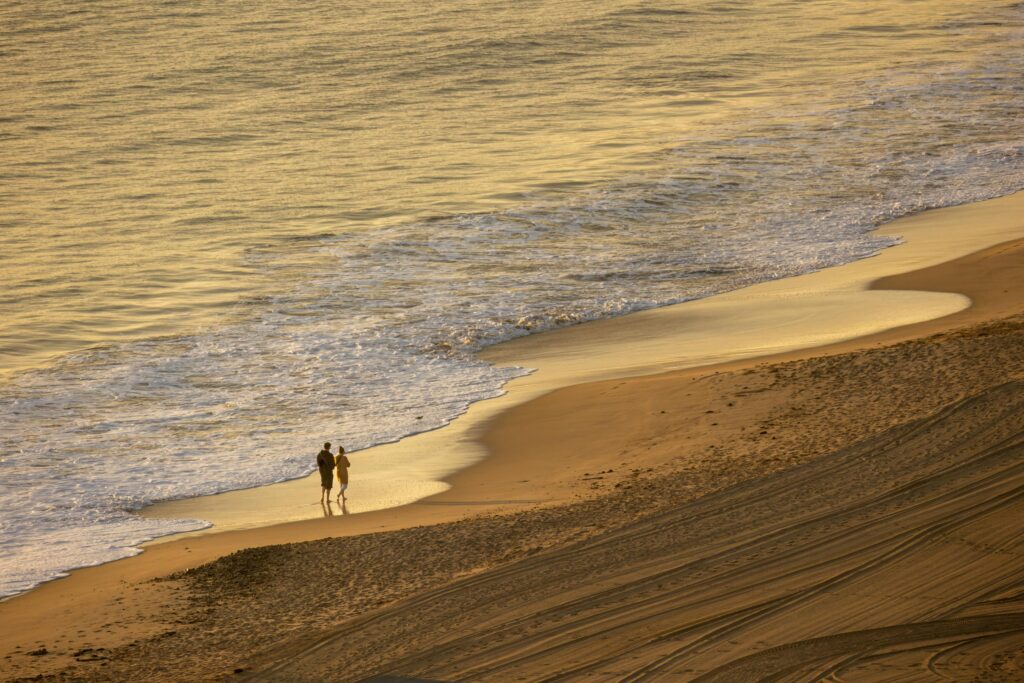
(807, 311)
(97, 595)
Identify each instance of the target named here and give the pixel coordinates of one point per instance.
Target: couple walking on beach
(326, 462)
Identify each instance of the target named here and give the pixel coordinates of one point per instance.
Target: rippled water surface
(227, 229)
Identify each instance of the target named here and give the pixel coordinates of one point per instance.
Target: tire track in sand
(893, 555)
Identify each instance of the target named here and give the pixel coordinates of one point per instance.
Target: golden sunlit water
(150, 149)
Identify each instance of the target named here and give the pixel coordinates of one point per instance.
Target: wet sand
(784, 508)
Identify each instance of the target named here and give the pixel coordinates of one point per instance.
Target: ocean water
(231, 231)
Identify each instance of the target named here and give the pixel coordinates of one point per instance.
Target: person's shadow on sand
(328, 508)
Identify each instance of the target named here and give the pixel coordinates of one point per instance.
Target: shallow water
(228, 233)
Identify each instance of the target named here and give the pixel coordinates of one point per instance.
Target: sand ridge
(849, 545)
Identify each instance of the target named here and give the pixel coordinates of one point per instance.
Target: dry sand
(850, 509)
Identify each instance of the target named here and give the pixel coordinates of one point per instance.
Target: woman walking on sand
(343, 465)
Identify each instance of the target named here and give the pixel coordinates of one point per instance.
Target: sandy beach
(833, 492)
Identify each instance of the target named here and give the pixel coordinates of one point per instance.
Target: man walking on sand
(325, 463)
